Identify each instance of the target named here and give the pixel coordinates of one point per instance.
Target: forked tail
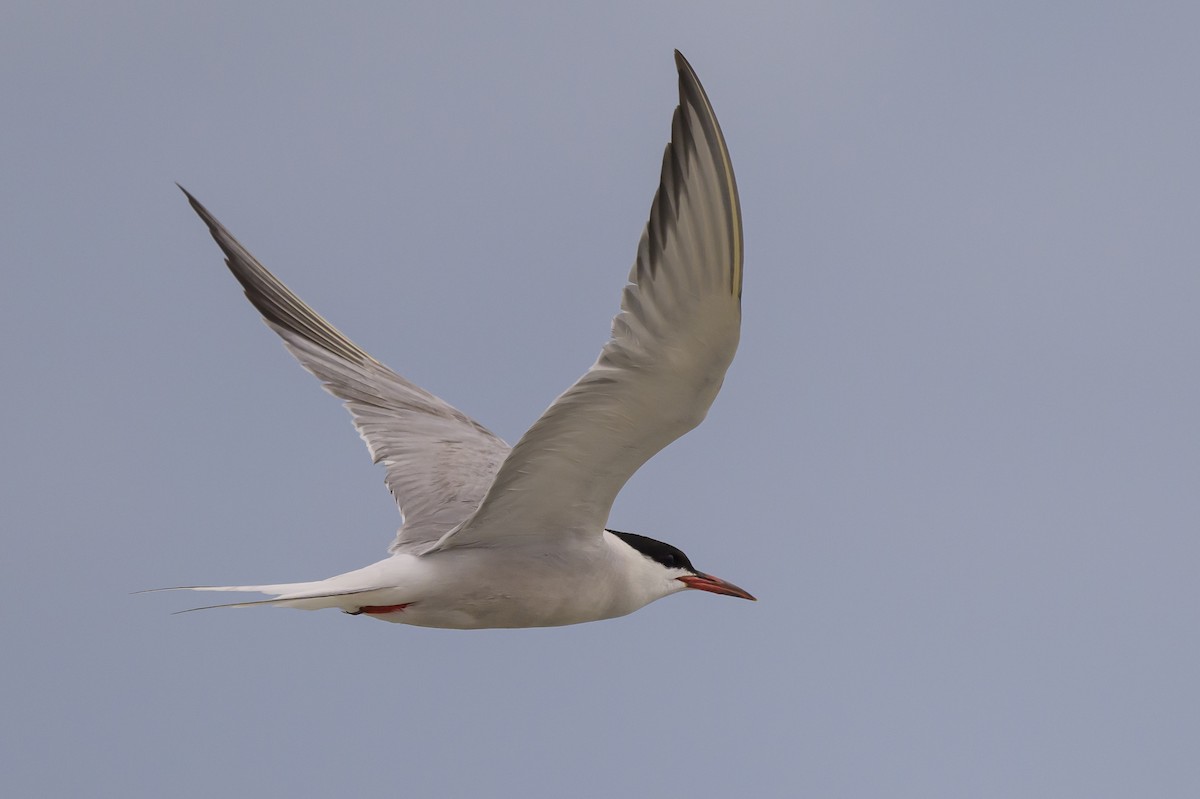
(306, 596)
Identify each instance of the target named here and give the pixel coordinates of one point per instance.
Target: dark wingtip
(689, 83)
(199, 209)
(692, 93)
(686, 71)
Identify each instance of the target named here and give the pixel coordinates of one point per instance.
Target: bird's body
(526, 586)
(500, 537)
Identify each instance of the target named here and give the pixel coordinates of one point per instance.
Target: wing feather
(657, 376)
(439, 461)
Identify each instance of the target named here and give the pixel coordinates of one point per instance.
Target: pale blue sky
(957, 457)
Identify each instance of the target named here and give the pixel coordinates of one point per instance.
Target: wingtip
(196, 206)
(690, 88)
(214, 227)
(691, 92)
(686, 71)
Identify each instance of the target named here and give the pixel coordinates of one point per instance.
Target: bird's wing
(657, 376)
(439, 461)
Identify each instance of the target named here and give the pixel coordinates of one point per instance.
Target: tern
(494, 536)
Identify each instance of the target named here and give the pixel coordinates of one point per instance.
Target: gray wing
(439, 461)
(659, 373)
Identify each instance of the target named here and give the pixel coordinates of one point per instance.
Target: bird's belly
(496, 612)
(551, 598)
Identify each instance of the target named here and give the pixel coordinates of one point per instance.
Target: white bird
(500, 537)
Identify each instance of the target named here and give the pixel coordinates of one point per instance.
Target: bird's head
(678, 570)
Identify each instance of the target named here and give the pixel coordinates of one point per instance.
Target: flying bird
(494, 536)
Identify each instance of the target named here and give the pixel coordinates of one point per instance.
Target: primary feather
(439, 461)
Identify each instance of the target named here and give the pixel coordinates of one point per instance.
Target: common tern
(494, 536)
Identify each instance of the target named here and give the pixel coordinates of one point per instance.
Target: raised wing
(658, 375)
(439, 461)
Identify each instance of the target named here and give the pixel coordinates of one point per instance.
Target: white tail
(376, 585)
(306, 596)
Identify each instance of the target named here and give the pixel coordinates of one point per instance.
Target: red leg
(376, 610)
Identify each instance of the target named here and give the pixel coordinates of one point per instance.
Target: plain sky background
(957, 457)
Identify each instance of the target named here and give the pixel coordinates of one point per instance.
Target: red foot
(375, 610)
